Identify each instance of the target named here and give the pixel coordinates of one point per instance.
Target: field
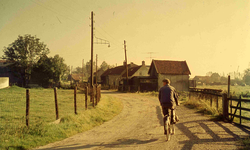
(15, 135)
(234, 90)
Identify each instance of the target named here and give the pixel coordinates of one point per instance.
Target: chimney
(143, 63)
(124, 63)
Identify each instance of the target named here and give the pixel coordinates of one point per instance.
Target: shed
(177, 71)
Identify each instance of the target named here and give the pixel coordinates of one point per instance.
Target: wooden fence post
(217, 103)
(240, 109)
(96, 95)
(75, 106)
(56, 104)
(92, 96)
(225, 106)
(86, 97)
(27, 106)
(211, 101)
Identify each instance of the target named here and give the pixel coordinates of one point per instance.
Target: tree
(104, 66)
(88, 67)
(215, 77)
(49, 70)
(58, 68)
(25, 52)
(246, 77)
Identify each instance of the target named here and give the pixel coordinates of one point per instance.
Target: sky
(210, 35)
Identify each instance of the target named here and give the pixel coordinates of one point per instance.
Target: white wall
(4, 82)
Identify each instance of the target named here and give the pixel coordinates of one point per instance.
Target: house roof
(77, 76)
(117, 70)
(170, 67)
(131, 71)
(114, 71)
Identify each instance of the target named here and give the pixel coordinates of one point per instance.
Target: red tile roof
(170, 67)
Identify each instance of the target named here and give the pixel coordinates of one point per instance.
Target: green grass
(15, 135)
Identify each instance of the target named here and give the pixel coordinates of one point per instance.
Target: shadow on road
(117, 143)
(159, 115)
(194, 139)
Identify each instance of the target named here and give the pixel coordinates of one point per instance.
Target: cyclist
(168, 99)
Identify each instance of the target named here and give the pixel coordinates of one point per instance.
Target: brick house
(177, 71)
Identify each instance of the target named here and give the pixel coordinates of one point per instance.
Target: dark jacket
(168, 96)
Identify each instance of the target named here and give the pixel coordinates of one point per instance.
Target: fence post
(56, 104)
(211, 101)
(217, 103)
(27, 106)
(75, 90)
(96, 95)
(92, 96)
(86, 97)
(240, 109)
(225, 106)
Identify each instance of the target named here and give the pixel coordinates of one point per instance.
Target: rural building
(76, 78)
(177, 71)
(112, 77)
(6, 71)
(137, 71)
(201, 80)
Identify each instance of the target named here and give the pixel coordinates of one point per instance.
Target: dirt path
(139, 126)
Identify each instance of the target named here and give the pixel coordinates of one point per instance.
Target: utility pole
(96, 71)
(92, 44)
(126, 61)
(82, 69)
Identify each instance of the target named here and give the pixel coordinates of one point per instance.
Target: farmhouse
(177, 71)
(76, 78)
(111, 77)
(200, 80)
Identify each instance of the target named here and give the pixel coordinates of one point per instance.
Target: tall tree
(104, 66)
(25, 52)
(58, 67)
(246, 77)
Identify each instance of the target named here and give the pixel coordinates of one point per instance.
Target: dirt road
(140, 127)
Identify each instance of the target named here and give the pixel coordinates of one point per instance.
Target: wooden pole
(75, 106)
(228, 87)
(27, 106)
(240, 109)
(217, 103)
(86, 97)
(126, 61)
(211, 101)
(92, 49)
(92, 96)
(225, 106)
(56, 104)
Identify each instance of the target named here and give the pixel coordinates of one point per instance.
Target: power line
(50, 9)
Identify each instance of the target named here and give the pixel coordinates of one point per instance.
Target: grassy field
(15, 135)
(234, 90)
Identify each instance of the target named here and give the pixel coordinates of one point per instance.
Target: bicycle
(168, 125)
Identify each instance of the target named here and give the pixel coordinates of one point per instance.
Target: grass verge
(40, 132)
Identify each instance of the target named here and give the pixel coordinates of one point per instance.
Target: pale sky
(211, 35)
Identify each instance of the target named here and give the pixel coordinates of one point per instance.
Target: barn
(177, 71)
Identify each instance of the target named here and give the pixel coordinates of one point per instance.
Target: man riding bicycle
(168, 99)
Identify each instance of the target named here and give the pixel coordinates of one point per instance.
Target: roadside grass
(15, 135)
